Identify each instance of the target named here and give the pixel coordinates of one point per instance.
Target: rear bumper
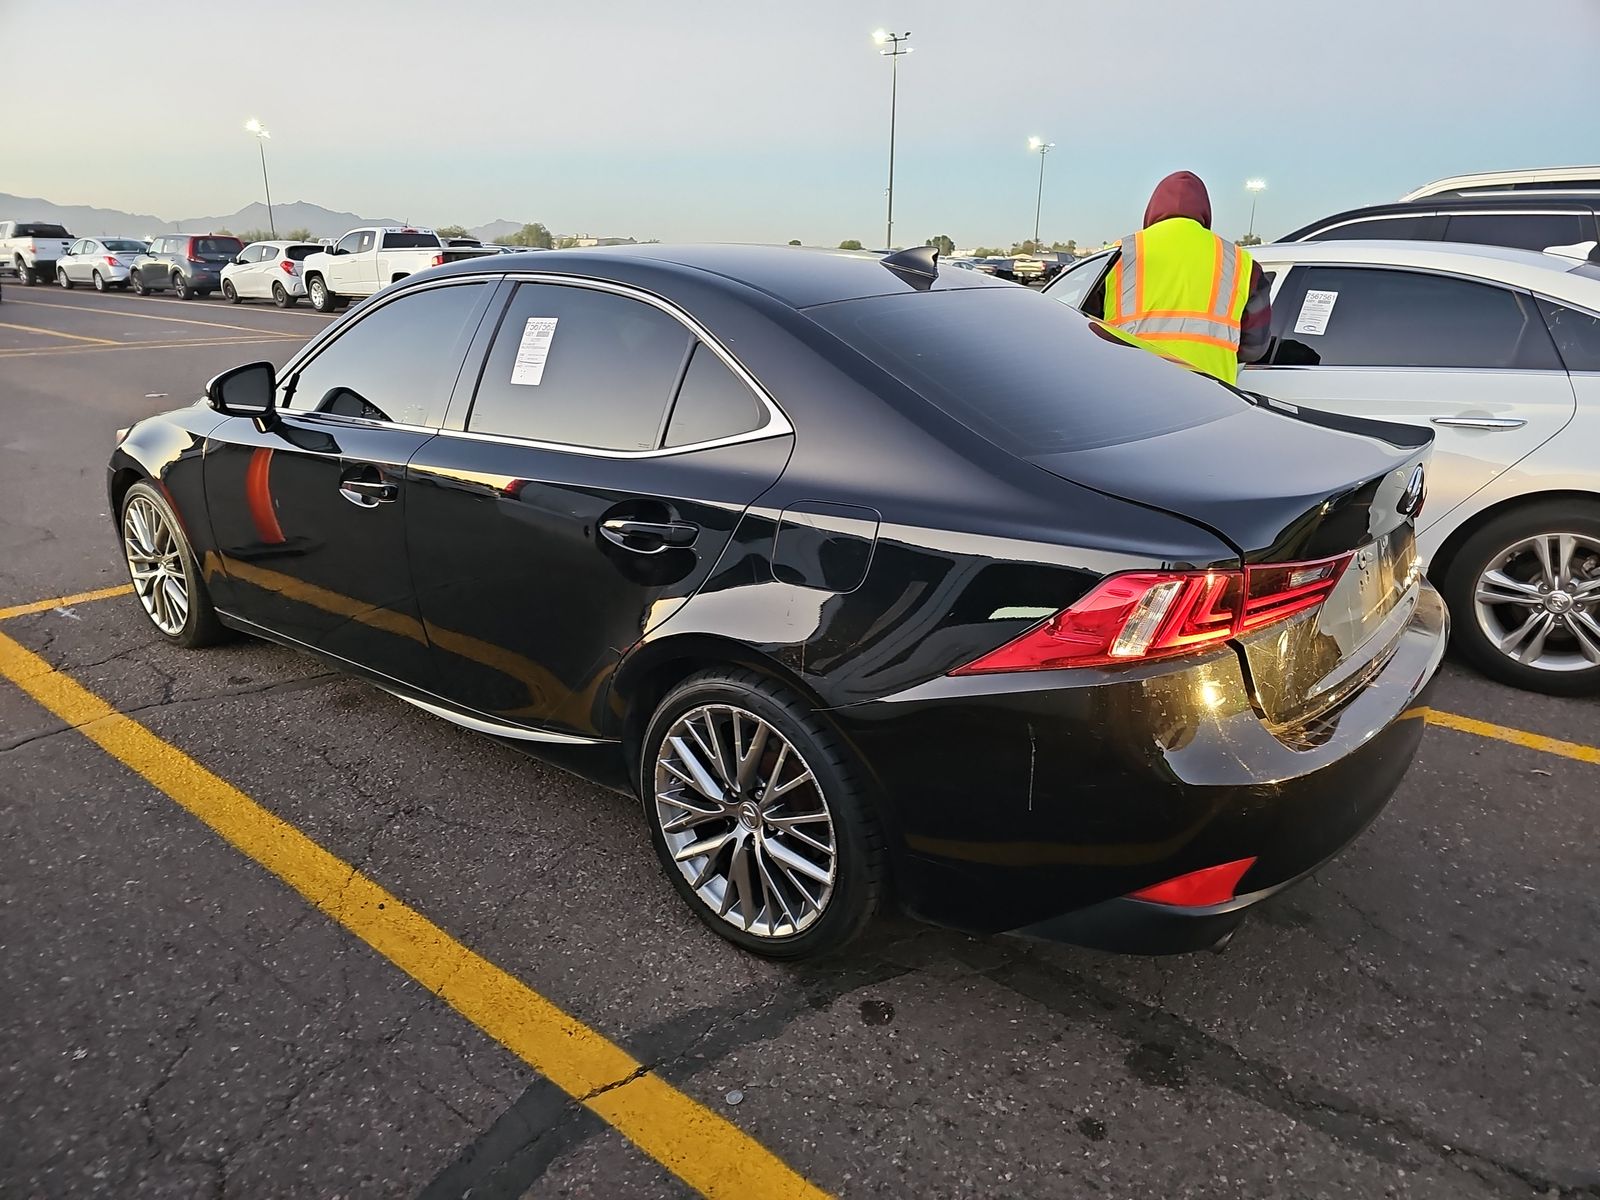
(1038, 802)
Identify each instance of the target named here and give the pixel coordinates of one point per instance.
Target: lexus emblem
(1416, 491)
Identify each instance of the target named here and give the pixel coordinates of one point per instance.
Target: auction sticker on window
(1314, 313)
(533, 350)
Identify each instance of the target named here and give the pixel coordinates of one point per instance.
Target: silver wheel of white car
(99, 282)
(61, 278)
(321, 298)
(230, 292)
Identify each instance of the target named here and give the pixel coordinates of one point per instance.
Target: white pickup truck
(365, 260)
(30, 248)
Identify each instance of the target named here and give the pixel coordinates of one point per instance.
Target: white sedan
(102, 262)
(1497, 351)
(268, 271)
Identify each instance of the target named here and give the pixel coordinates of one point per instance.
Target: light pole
(893, 41)
(254, 127)
(1040, 147)
(1255, 187)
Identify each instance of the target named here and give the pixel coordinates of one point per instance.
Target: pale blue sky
(762, 121)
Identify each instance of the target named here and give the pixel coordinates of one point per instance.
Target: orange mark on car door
(258, 495)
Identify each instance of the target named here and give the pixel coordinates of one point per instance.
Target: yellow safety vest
(1182, 288)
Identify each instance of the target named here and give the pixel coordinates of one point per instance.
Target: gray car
(190, 264)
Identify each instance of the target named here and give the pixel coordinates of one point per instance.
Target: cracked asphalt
(1422, 1019)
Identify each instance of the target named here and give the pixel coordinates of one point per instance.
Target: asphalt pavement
(184, 1013)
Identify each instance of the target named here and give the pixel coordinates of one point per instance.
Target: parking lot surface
(271, 932)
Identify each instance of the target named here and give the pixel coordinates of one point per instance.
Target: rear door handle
(359, 486)
(1480, 422)
(648, 537)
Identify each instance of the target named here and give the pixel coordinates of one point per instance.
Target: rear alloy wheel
(180, 285)
(137, 281)
(759, 818)
(61, 278)
(163, 571)
(1524, 592)
(99, 282)
(26, 273)
(229, 291)
(281, 297)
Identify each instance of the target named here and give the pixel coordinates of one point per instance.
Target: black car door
(308, 514)
(608, 453)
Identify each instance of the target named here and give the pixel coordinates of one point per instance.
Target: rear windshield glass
(217, 245)
(126, 244)
(46, 231)
(1031, 375)
(298, 253)
(410, 241)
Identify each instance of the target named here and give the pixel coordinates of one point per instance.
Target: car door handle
(1480, 422)
(367, 493)
(648, 537)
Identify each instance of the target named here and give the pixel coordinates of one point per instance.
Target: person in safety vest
(1189, 293)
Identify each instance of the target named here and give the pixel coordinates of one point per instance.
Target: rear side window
(124, 245)
(580, 367)
(1408, 229)
(1577, 335)
(217, 245)
(299, 253)
(1384, 318)
(1528, 231)
(410, 241)
(398, 363)
(1028, 374)
(712, 403)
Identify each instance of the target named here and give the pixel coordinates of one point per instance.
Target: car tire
(27, 274)
(323, 300)
(136, 281)
(230, 291)
(181, 288)
(100, 284)
(61, 278)
(831, 809)
(281, 297)
(162, 568)
(1502, 561)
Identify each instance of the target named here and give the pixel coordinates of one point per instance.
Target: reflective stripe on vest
(1192, 303)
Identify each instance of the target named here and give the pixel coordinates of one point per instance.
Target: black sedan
(877, 584)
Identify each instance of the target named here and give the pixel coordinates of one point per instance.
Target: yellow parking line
(119, 313)
(77, 337)
(22, 610)
(1517, 737)
(707, 1152)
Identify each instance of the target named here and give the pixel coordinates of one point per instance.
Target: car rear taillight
(1199, 889)
(1146, 615)
(113, 261)
(288, 265)
(438, 260)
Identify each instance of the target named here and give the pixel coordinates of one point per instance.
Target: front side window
(712, 403)
(1073, 285)
(347, 244)
(1577, 335)
(1528, 231)
(1359, 317)
(580, 367)
(398, 363)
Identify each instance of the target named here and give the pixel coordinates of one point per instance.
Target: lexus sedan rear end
(865, 595)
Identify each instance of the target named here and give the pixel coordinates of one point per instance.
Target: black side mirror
(245, 391)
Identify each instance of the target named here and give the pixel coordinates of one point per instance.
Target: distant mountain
(84, 220)
(495, 230)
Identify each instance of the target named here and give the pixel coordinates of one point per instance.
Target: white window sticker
(533, 350)
(1314, 313)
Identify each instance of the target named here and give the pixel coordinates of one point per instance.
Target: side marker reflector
(1199, 889)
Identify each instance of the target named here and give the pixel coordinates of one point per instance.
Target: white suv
(268, 271)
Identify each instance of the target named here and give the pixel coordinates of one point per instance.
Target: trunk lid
(1282, 485)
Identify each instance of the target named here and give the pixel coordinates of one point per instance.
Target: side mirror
(238, 258)
(245, 391)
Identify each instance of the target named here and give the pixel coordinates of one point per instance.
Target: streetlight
(1040, 147)
(256, 129)
(1255, 187)
(882, 37)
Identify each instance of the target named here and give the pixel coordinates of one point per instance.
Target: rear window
(44, 231)
(217, 245)
(1030, 375)
(1526, 231)
(299, 253)
(410, 241)
(124, 244)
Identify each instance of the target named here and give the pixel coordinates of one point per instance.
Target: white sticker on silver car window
(533, 350)
(1314, 313)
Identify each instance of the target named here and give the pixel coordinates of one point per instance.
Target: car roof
(1579, 177)
(1511, 202)
(1553, 274)
(799, 276)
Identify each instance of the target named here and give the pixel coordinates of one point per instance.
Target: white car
(103, 262)
(1539, 181)
(1497, 351)
(268, 271)
(367, 260)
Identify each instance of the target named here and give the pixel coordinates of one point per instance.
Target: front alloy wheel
(163, 570)
(759, 817)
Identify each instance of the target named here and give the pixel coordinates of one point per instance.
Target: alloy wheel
(1538, 601)
(745, 821)
(99, 282)
(155, 564)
